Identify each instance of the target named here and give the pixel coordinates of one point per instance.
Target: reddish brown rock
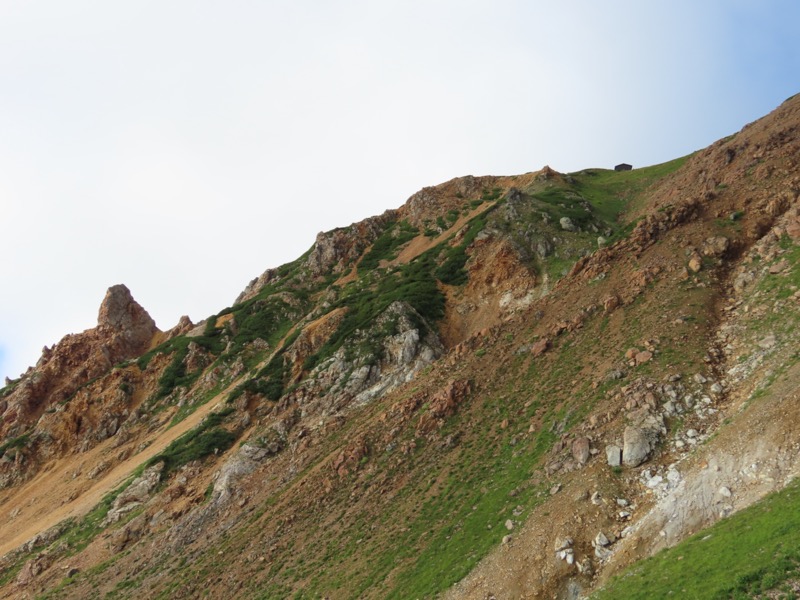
(611, 302)
(793, 228)
(540, 347)
(443, 404)
(778, 267)
(124, 330)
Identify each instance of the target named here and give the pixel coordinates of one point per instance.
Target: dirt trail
(45, 500)
(423, 243)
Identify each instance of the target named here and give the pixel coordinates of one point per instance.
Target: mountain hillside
(509, 387)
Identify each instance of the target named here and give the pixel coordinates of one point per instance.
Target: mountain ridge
(435, 395)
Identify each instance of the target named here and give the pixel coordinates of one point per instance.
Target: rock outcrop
(124, 330)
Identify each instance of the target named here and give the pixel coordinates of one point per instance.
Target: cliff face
(79, 362)
(519, 385)
(124, 330)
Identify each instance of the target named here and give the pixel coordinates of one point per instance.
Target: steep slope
(517, 385)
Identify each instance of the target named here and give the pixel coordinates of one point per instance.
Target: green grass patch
(413, 283)
(452, 271)
(20, 441)
(387, 244)
(205, 439)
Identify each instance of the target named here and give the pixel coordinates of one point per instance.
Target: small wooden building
(623, 167)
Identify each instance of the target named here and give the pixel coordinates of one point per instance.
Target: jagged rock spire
(120, 311)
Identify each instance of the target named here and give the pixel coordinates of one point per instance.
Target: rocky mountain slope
(509, 387)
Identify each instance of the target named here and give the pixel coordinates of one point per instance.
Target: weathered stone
(540, 347)
(602, 553)
(132, 326)
(793, 228)
(32, 569)
(129, 534)
(778, 267)
(585, 566)
(743, 280)
(611, 302)
(601, 540)
(141, 487)
(716, 246)
(580, 450)
(562, 543)
(614, 456)
(654, 481)
(567, 224)
(637, 444)
(768, 342)
(643, 357)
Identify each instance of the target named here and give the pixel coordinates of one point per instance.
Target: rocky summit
(548, 385)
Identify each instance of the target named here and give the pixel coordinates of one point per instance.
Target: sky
(184, 147)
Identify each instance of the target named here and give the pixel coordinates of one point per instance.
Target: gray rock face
(403, 354)
(239, 465)
(614, 456)
(135, 494)
(580, 450)
(716, 246)
(567, 224)
(641, 436)
(637, 446)
(336, 250)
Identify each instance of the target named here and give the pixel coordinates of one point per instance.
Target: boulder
(135, 494)
(129, 323)
(540, 347)
(716, 246)
(611, 302)
(562, 543)
(778, 267)
(580, 450)
(614, 456)
(567, 224)
(638, 444)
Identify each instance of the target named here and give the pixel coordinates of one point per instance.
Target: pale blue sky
(183, 147)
